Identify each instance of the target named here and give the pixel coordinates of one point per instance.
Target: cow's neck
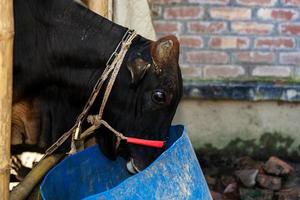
(85, 36)
(66, 44)
(81, 43)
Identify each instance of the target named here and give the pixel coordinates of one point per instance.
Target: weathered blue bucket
(89, 175)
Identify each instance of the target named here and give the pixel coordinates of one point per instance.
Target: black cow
(60, 50)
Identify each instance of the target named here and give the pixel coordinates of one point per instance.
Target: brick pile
(274, 179)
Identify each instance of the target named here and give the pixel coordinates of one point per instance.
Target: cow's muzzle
(131, 167)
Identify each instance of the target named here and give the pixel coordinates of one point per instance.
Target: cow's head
(144, 99)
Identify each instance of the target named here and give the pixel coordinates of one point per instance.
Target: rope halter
(110, 73)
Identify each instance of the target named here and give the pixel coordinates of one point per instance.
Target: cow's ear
(165, 51)
(137, 68)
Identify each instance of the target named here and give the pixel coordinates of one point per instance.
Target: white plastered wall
(219, 122)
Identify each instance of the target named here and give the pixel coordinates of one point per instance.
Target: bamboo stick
(25, 187)
(6, 48)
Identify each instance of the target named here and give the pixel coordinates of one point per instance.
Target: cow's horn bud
(166, 51)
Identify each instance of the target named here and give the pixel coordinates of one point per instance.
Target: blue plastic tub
(89, 175)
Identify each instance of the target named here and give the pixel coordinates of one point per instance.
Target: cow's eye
(159, 97)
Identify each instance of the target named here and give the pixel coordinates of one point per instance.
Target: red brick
(290, 29)
(166, 27)
(207, 57)
(272, 71)
(277, 14)
(278, 167)
(184, 12)
(230, 13)
(191, 41)
(222, 71)
(166, 1)
(275, 43)
(254, 57)
(256, 2)
(217, 2)
(291, 2)
(292, 58)
(252, 28)
(207, 27)
(191, 72)
(229, 42)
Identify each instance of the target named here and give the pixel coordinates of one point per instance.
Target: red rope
(148, 143)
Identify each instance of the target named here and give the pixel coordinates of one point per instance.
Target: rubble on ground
(249, 179)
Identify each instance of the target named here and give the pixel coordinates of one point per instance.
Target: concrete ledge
(244, 91)
(250, 128)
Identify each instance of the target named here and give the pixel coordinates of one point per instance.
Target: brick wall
(233, 39)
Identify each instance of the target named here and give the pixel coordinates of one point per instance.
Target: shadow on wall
(269, 144)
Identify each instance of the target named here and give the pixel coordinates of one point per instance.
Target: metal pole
(6, 49)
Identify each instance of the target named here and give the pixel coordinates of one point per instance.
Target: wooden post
(6, 49)
(101, 7)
